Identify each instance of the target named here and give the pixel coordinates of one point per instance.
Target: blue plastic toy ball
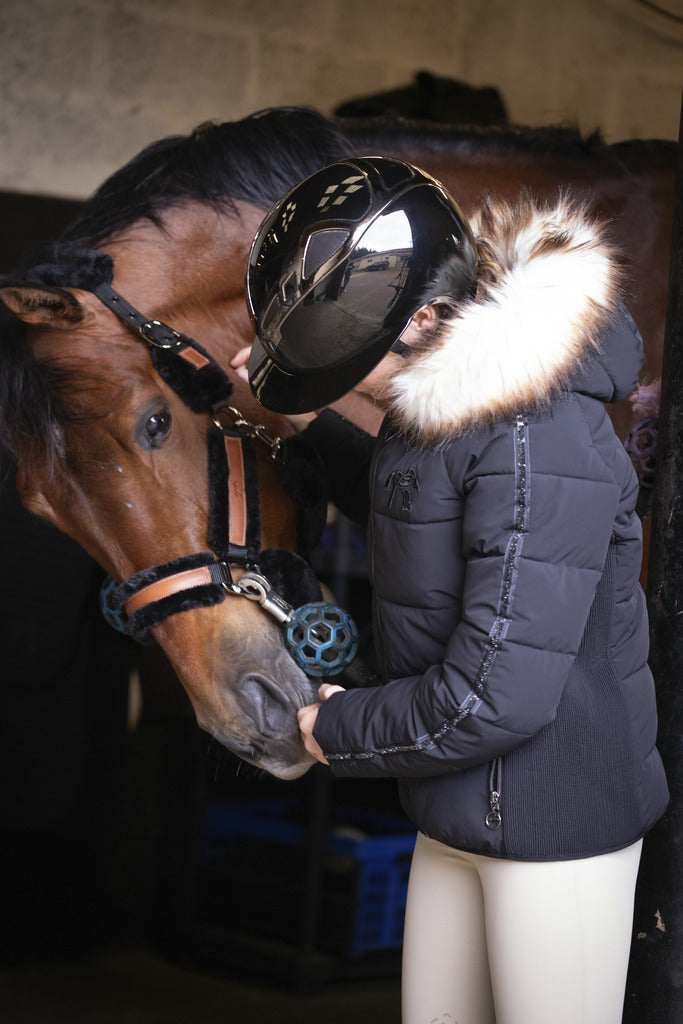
(116, 617)
(322, 638)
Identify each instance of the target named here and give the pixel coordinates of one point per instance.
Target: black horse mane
(256, 160)
(259, 158)
(560, 140)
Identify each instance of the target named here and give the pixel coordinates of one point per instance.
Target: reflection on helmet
(338, 269)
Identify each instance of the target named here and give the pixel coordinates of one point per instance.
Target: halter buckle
(159, 334)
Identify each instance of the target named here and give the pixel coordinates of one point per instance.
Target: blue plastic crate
(370, 849)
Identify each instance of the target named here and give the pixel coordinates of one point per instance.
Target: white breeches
(509, 942)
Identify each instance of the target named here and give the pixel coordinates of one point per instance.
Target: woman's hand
(239, 363)
(307, 718)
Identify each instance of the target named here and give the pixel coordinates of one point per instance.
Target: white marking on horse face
(127, 504)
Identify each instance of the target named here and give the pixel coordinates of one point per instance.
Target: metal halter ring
(248, 429)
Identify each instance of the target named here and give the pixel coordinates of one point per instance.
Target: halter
(321, 637)
(234, 533)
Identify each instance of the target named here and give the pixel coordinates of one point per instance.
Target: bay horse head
(134, 445)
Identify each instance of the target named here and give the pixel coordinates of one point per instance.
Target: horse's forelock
(29, 414)
(37, 404)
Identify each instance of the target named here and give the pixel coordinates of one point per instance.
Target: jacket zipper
(494, 818)
(378, 624)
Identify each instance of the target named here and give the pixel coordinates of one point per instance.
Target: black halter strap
(179, 360)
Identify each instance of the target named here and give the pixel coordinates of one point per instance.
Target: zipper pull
(494, 819)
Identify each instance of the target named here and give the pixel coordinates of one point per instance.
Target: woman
(518, 708)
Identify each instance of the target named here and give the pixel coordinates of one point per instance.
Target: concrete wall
(84, 84)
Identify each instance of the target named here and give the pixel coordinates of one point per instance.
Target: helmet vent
(320, 246)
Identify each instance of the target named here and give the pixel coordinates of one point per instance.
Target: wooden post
(654, 993)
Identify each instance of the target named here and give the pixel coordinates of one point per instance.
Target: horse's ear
(42, 306)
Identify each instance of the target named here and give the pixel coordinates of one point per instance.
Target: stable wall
(84, 84)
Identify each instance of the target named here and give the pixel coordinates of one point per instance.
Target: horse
(129, 433)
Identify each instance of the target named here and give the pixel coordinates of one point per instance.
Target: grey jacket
(518, 710)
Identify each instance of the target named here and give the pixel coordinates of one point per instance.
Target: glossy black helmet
(338, 269)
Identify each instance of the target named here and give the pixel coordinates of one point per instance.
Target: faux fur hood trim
(549, 283)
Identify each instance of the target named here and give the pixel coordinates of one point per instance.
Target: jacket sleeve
(346, 451)
(536, 529)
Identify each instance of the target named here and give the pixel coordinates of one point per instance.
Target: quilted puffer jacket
(518, 709)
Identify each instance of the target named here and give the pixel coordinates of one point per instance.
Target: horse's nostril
(264, 702)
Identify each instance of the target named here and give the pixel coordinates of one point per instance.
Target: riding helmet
(338, 269)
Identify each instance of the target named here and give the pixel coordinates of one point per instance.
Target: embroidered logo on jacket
(402, 484)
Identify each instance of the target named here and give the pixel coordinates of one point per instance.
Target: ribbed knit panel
(570, 789)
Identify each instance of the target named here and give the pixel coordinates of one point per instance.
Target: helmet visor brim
(298, 392)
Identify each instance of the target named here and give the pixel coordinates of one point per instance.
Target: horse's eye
(156, 429)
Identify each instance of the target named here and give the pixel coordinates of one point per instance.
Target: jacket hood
(548, 289)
